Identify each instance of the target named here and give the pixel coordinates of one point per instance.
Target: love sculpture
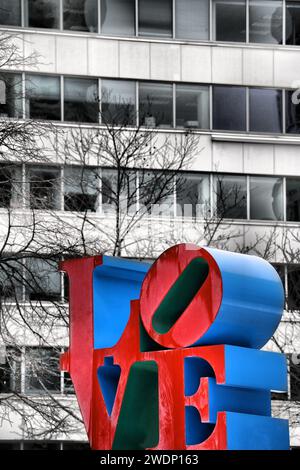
(180, 368)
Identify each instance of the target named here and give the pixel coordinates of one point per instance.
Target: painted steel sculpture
(180, 368)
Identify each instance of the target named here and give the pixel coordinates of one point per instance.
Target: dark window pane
(81, 15)
(292, 112)
(68, 385)
(265, 110)
(265, 20)
(81, 189)
(156, 104)
(229, 108)
(192, 106)
(10, 95)
(295, 376)
(156, 192)
(231, 197)
(10, 186)
(10, 445)
(81, 100)
(120, 195)
(192, 195)
(44, 188)
(10, 370)
(155, 18)
(229, 20)
(42, 14)
(293, 23)
(192, 19)
(11, 279)
(42, 372)
(294, 287)
(118, 17)
(43, 97)
(293, 199)
(118, 102)
(10, 12)
(266, 198)
(43, 281)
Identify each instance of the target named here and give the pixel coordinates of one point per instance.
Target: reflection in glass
(292, 111)
(231, 197)
(42, 370)
(43, 282)
(81, 15)
(11, 95)
(11, 279)
(293, 199)
(266, 198)
(81, 189)
(156, 193)
(10, 12)
(156, 104)
(192, 19)
(229, 20)
(44, 188)
(265, 21)
(293, 273)
(229, 108)
(10, 371)
(293, 23)
(43, 97)
(192, 195)
(81, 100)
(155, 18)
(118, 17)
(118, 191)
(265, 110)
(118, 102)
(192, 106)
(10, 186)
(42, 14)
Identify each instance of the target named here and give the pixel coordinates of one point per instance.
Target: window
(231, 192)
(293, 199)
(11, 279)
(265, 21)
(10, 95)
(41, 370)
(118, 102)
(43, 280)
(293, 275)
(192, 195)
(293, 23)
(192, 19)
(292, 112)
(10, 12)
(156, 104)
(156, 193)
(295, 377)
(118, 17)
(81, 100)
(42, 14)
(10, 370)
(118, 191)
(81, 189)
(229, 108)
(10, 186)
(229, 20)
(265, 110)
(43, 97)
(155, 18)
(266, 199)
(192, 106)
(68, 384)
(44, 188)
(81, 15)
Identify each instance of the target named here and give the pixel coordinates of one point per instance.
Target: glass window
(10, 95)
(44, 188)
(10, 370)
(81, 100)
(265, 21)
(118, 102)
(192, 19)
(293, 273)
(156, 104)
(81, 189)
(43, 97)
(11, 279)
(42, 370)
(295, 377)
(118, 190)
(43, 281)
(10, 12)
(118, 17)
(229, 20)
(293, 199)
(155, 18)
(192, 106)
(156, 193)
(192, 195)
(229, 108)
(293, 111)
(10, 186)
(68, 384)
(293, 23)
(266, 201)
(231, 197)
(81, 15)
(42, 14)
(265, 110)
